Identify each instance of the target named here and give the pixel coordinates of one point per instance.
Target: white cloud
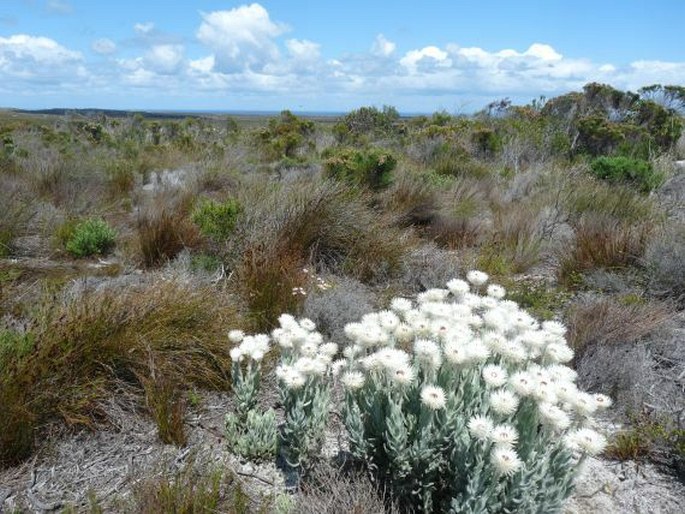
(164, 59)
(426, 59)
(26, 56)
(303, 50)
(104, 46)
(58, 7)
(382, 47)
(241, 38)
(144, 28)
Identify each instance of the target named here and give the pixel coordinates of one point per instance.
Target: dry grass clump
(16, 212)
(613, 320)
(326, 224)
(164, 228)
(590, 198)
(603, 242)
(83, 347)
(329, 490)
(517, 235)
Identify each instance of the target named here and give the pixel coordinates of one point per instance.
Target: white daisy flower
(329, 349)
(293, 379)
(477, 278)
(458, 287)
(455, 353)
(404, 333)
(553, 416)
(587, 441)
(505, 461)
(496, 291)
(235, 336)
(602, 401)
(504, 435)
(428, 352)
(503, 402)
(403, 375)
(494, 375)
(433, 397)
(522, 383)
(480, 427)
(401, 305)
(352, 380)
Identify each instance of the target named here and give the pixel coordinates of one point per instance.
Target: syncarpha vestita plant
(458, 401)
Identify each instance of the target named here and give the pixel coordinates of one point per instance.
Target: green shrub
(217, 219)
(367, 122)
(90, 237)
(624, 169)
(372, 167)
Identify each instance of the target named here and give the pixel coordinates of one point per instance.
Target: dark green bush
(91, 237)
(624, 169)
(372, 167)
(217, 219)
(367, 122)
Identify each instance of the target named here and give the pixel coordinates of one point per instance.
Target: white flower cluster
(254, 347)
(303, 352)
(458, 332)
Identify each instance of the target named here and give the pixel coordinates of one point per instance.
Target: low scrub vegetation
(212, 223)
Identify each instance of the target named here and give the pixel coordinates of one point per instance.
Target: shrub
(372, 168)
(91, 237)
(367, 122)
(624, 169)
(482, 415)
(216, 219)
(16, 213)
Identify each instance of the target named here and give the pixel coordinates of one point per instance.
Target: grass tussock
(84, 347)
(614, 320)
(603, 242)
(164, 229)
(326, 225)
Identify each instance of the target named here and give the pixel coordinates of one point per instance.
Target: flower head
(428, 352)
(477, 278)
(494, 375)
(480, 427)
(458, 287)
(504, 435)
(352, 380)
(496, 291)
(503, 402)
(505, 460)
(587, 441)
(433, 397)
(235, 336)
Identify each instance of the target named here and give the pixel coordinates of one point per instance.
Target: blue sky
(420, 56)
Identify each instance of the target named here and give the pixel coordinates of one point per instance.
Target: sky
(309, 55)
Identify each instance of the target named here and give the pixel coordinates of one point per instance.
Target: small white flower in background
(477, 278)
(388, 320)
(307, 324)
(584, 404)
(236, 354)
(235, 336)
(287, 321)
(554, 327)
(567, 392)
(481, 427)
(329, 349)
(496, 291)
(505, 461)
(293, 379)
(587, 441)
(401, 305)
(455, 353)
(554, 416)
(338, 366)
(403, 375)
(428, 352)
(602, 401)
(458, 287)
(404, 333)
(432, 295)
(308, 349)
(522, 383)
(393, 358)
(558, 352)
(503, 402)
(352, 379)
(504, 435)
(477, 351)
(433, 397)
(494, 375)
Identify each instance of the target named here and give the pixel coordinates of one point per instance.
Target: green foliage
(217, 219)
(285, 136)
(372, 168)
(255, 437)
(624, 169)
(367, 122)
(542, 301)
(91, 237)
(14, 345)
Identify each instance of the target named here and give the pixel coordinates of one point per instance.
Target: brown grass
(164, 229)
(85, 346)
(603, 242)
(613, 320)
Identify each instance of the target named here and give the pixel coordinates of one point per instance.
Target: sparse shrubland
(130, 245)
